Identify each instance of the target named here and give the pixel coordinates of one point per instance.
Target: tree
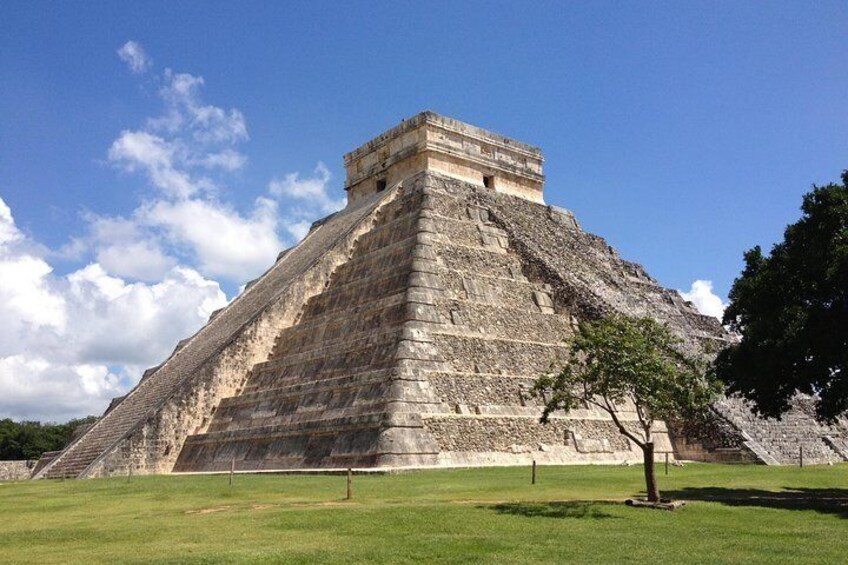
(618, 361)
(28, 440)
(791, 309)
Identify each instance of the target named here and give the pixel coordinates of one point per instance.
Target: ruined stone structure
(405, 331)
(15, 470)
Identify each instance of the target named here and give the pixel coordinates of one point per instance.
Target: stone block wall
(322, 398)
(16, 470)
(147, 429)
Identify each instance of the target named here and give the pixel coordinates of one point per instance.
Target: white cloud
(8, 232)
(140, 260)
(140, 150)
(298, 229)
(137, 323)
(183, 152)
(313, 191)
(705, 300)
(70, 343)
(227, 160)
(27, 304)
(186, 111)
(134, 56)
(34, 388)
(224, 242)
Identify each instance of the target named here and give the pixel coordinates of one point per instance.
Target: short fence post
(130, 465)
(349, 484)
(232, 470)
(533, 479)
(666, 462)
(801, 456)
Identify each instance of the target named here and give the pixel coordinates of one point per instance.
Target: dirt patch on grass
(215, 509)
(209, 510)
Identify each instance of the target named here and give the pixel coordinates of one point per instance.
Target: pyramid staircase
(406, 331)
(783, 442)
(184, 379)
(420, 351)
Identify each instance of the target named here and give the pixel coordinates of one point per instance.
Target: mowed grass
(736, 514)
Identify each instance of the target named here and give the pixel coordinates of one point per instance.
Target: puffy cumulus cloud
(224, 242)
(134, 56)
(139, 150)
(70, 343)
(705, 300)
(313, 191)
(183, 153)
(186, 111)
(227, 160)
(36, 389)
(28, 306)
(140, 260)
(298, 229)
(142, 281)
(136, 323)
(8, 231)
(190, 137)
(308, 197)
(126, 248)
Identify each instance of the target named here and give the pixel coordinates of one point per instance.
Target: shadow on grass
(824, 500)
(567, 509)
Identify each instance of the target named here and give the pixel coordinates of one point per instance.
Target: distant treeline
(28, 440)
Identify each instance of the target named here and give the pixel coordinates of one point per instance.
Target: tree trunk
(650, 476)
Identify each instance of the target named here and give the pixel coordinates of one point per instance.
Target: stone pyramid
(405, 331)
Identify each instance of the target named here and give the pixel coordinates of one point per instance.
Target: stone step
(481, 355)
(333, 331)
(356, 294)
(477, 318)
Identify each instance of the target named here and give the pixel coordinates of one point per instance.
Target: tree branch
(611, 411)
(642, 419)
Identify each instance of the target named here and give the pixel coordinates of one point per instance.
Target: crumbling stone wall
(16, 470)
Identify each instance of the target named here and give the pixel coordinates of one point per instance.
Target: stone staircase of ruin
(329, 375)
(781, 441)
(185, 362)
(501, 328)
(435, 273)
(113, 426)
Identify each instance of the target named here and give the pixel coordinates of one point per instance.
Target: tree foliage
(28, 440)
(791, 309)
(620, 363)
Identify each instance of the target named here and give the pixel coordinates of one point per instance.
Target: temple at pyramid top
(431, 142)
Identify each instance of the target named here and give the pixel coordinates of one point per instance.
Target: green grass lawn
(736, 514)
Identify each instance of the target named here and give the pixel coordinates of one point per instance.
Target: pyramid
(406, 330)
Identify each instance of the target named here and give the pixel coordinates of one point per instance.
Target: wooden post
(666, 462)
(129, 467)
(232, 470)
(349, 484)
(801, 455)
(533, 479)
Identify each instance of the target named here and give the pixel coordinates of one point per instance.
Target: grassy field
(736, 514)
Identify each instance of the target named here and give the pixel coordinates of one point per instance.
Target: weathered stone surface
(16, 470)
(147, 429)
(407, 330)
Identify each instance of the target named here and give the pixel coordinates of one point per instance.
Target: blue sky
(684, 133)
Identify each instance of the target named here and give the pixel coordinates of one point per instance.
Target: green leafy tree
(620, 363)
(791, 309)
(28, 440)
